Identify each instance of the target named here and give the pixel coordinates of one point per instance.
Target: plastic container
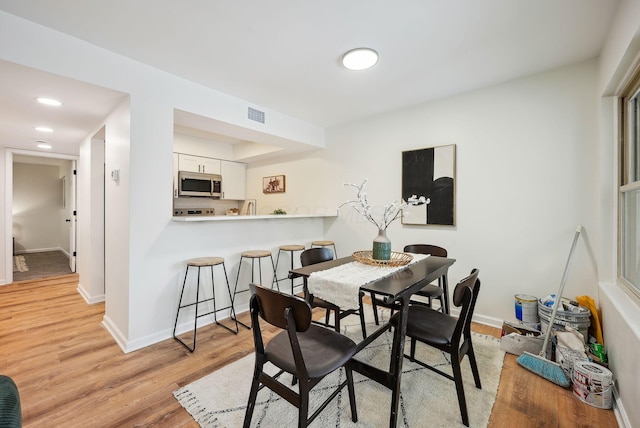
(583, 328)
(569, 314)
(578, 314)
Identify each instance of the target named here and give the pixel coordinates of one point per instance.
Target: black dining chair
(429, 291)
(318, 255)
(447, 334)
(307, 351)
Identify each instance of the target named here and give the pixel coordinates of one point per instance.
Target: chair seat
(428, 325)
(319, 303)
(319, 358)
(430, 290)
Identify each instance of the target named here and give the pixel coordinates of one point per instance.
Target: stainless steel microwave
(199, 184)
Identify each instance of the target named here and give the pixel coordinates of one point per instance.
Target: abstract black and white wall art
(430, 172)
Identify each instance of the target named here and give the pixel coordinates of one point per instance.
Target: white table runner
(340, 285)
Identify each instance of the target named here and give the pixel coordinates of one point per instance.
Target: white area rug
(220, 398)
(19, 264)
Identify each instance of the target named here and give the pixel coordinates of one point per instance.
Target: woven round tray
(397, 259)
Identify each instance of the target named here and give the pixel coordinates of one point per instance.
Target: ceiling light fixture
(360, 59)
(43, 145)
(49, 101)
(43, 129)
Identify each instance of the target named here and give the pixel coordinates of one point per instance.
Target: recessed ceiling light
(43, 145)
(43, 129)
(360, 59)
(49, 101)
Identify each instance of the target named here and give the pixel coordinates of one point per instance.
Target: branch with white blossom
(390, 213)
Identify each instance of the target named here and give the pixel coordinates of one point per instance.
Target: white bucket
(526, 308)
(592, 384)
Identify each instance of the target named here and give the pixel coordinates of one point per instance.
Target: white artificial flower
(390, 213)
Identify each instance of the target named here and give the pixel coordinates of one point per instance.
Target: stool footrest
(241, 323)
(195, 303)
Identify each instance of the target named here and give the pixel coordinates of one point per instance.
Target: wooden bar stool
(291, 249)
(252, 255)
(326, 244)
(201, 262)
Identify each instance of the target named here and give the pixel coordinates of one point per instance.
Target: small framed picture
(273, 184)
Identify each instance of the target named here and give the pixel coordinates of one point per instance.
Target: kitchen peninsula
(227, 236)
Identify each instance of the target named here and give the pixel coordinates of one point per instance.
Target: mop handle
(543, 351)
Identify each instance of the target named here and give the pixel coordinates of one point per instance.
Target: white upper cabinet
(198, 164)
(234, 180)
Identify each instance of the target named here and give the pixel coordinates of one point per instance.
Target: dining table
(394, 289)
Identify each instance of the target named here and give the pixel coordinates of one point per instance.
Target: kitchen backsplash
(219, 205)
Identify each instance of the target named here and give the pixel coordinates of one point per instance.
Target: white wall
(119, 315)
(90, 219)
(526, 151)
(202, 147)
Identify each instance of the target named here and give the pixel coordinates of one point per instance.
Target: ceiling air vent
(256, 115)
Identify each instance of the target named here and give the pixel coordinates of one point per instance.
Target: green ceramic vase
(381, 246)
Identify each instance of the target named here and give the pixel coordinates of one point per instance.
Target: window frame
(628, 177)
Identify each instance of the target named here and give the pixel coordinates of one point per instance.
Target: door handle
(68, 220)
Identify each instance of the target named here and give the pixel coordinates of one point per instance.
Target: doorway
(43, 216)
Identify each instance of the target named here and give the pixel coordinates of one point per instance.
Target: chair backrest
(466, 294)
(433, 250)
(315, 255)
(271, 306)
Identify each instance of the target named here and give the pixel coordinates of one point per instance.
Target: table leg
(445, 291)
(397, 356)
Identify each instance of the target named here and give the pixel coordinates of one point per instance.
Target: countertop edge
(249, 217)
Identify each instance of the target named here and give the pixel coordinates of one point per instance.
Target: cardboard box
(518, 338)
(519, 328)
(516, 344)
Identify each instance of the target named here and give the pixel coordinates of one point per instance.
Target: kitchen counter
(249, 217)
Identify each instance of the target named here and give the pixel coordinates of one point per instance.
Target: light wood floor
(70, 372)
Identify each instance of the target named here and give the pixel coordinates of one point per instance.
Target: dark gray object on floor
(43, 265)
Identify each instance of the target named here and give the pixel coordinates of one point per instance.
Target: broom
(539, 364)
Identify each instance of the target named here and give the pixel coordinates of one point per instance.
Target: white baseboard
(487, 320)
(619, 411)
(120, 339)
(41, 250)
(481, 319)
(88, 298)
(128, 346)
